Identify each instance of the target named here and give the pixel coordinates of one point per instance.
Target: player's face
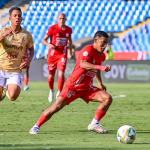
(101, 43)
(16, 17)
(61, 20)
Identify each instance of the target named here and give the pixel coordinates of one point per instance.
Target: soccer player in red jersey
(59, 35)
(80, 84)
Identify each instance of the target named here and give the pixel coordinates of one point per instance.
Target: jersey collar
(17, 31)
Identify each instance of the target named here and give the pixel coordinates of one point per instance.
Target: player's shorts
(59, 62)
(12, 78)
(70, 95)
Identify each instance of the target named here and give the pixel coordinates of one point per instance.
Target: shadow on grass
(49, 146)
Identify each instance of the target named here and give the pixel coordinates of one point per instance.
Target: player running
(80, 84)
(59, 35)
(13, 41)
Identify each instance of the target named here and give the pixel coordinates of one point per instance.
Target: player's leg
(26, 78)
(61, 78)
(47, 114)
(13, 91)
(13, 86)
(105, 101)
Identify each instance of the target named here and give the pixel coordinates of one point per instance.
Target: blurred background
(126, 21)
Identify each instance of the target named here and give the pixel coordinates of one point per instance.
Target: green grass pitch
(67, 130)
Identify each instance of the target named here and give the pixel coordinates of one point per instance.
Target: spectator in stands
(109, 53)
(60, 35)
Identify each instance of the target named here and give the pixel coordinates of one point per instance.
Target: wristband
(102, 68)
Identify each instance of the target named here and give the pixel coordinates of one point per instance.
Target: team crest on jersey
(67, 34)
(23, 40)
(85, 53)
(57, 34)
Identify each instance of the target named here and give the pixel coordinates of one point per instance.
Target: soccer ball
(126, 134)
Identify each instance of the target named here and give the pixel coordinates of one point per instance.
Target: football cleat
(4, 93)
(57, 94)
(26, 87)
(51, 96)
(97, 128)
(34, 130)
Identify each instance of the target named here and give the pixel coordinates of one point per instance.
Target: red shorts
(70, 95)
(54, 62)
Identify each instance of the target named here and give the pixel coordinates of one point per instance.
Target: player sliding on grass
(80, 84)
(13, 41)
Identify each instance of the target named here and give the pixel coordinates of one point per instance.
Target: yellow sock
(7, 94)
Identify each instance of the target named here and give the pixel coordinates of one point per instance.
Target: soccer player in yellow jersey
(13, 41)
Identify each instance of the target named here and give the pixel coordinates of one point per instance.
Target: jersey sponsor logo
(12, 55)
(91, 73)
(67, 34)
(14, 46)
(85, 53)
(15, 39)
(61, 41)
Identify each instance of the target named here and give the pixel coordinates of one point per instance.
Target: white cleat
(97, 128)
(57, 94)
(51, 96)
(34, 130)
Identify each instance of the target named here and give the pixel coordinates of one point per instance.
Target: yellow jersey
(12, 49)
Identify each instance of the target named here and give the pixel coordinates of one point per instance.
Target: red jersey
(82, 79)
(59, 38)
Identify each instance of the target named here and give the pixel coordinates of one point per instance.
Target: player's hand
(8, 32)
(103, 68)
(51, 46)
(103, 87)
(72, 54)
(24, 64)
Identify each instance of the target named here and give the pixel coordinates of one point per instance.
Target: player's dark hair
(14, 8)
(101, 34)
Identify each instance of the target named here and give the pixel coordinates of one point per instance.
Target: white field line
(119, 96)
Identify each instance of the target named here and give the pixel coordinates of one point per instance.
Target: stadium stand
(85, 17)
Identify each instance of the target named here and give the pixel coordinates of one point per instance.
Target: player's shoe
(34, 130)
(51, 96)
(97, 128)
(26, 87)
(57, 94)
(4, 93)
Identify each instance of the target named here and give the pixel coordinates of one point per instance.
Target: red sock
(25, 81)
(61, 81)
(41, 120)
(99, 114)
(51, 83)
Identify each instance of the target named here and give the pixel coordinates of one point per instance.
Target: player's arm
(70, 45)
(99, 80)
(84, 64)
(44, 41)
(7, 32)
(26, 63)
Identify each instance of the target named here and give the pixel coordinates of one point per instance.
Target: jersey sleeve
(70, 32)
(49, 31)
(86, 54)
(30, 41)
(103, 58)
